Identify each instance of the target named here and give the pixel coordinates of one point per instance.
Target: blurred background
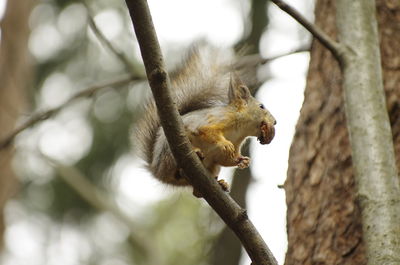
(72, 190)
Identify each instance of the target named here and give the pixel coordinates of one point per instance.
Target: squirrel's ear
(237, 89)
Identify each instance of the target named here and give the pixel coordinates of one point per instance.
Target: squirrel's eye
(262, 106)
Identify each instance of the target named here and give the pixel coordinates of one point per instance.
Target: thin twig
(43, 115)
(110, 46)
(119, 54)
(305, 48)
(335, 47)
(257, 59)
(232, 214)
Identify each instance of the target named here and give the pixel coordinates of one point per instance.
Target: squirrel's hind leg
(224, 186)
(214, 171)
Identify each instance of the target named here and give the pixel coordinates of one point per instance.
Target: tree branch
(108, 44)
(233, 215)
(304, 48)
(227, 248)
(336, 48)
(40, 116)
(255, 59)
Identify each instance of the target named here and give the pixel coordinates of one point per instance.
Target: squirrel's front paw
(224, 185)
(228, 148)
(243, 162)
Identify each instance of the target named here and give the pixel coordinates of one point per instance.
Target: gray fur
(200, 83)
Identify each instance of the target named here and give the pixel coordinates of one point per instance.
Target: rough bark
(14, 75)
(323, 222)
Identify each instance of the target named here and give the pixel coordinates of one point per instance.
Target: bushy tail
(201, 81)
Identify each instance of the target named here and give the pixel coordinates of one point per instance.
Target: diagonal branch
(257, 59)
(232, 214)
(120, 55)
(304, 48)
(44, 115)
(336, 48)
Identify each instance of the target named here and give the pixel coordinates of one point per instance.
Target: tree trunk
(323, 221)
(14, 73)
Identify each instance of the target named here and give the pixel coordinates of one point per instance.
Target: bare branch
(109, 45)
(43, 115)
(335, 47)
(257, 59)
(227, 248)
(233, 215)
(305, 48)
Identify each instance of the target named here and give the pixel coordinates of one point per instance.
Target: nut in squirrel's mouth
(267, 133)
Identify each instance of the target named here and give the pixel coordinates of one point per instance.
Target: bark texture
(14, 73)
(323, 222)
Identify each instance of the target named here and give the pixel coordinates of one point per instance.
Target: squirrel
(218, 113)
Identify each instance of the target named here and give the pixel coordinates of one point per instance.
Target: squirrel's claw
(224, 185)
(243, 162)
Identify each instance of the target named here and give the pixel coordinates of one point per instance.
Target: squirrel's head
(260, 121)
